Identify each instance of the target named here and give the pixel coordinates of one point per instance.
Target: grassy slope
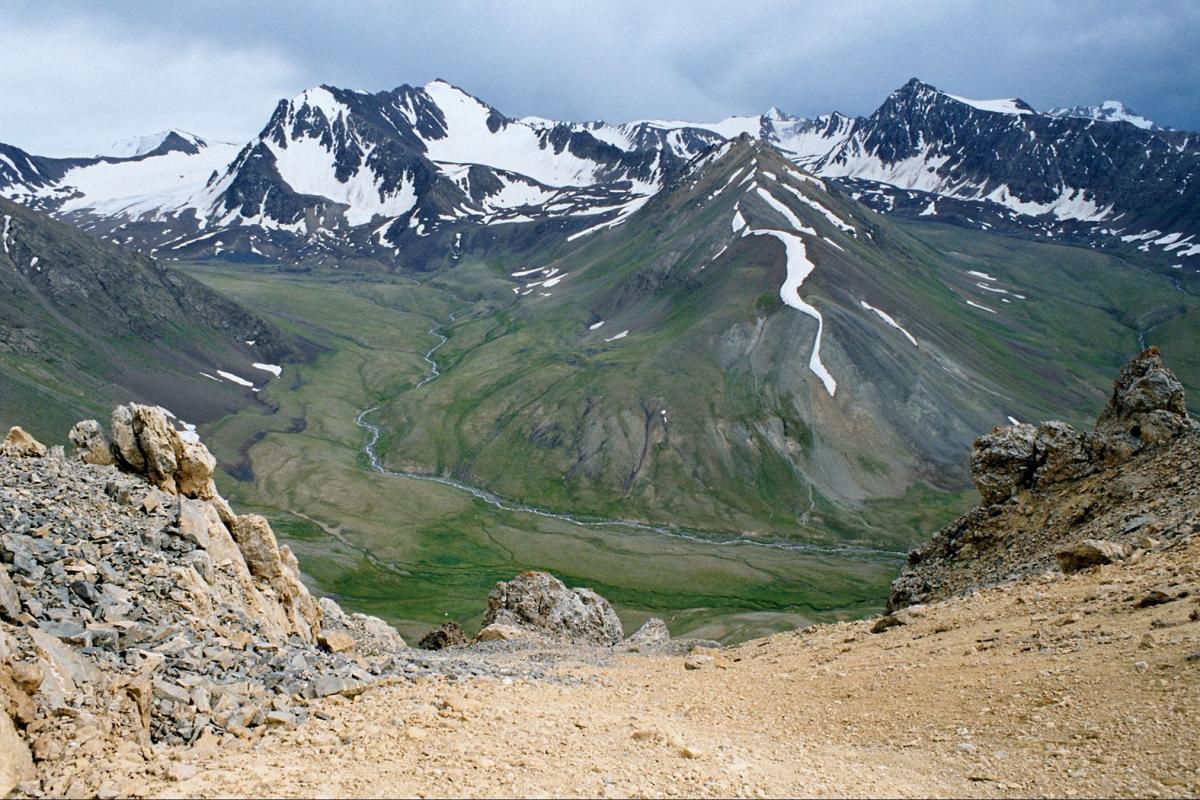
(416, 552)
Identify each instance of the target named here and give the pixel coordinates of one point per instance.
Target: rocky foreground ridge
(1055, 497)
(138, 612)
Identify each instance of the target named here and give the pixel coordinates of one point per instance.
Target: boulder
(499, 632)
(653, 632)
(91, 445)
(1023, 456)
(1003, 461)
(1089, 553)
(539, 602)
(335, 641)
(125, 443)
(159, 443)
(256, 540)
(1146, 407)
(448, 634)
(20, 444)
(16, 762)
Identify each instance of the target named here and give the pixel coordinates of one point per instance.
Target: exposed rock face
(137, 608)
(1055, 497)
(448, 634)
(539, 602)
(91, 446)
(20, 444)
(145, 442)
(1147, 407)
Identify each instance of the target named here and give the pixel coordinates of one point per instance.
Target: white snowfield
(785, 212)
(229, 376)
(595, 326)
(888, 319)
(274, 369)
(799, 268)
(1005, 106)
(973, 304)
(620, 335)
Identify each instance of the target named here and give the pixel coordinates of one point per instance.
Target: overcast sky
(76, 76)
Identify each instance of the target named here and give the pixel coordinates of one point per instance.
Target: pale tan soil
(1030, 689)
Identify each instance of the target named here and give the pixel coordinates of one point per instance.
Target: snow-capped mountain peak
(167, 141)
(1108, 111)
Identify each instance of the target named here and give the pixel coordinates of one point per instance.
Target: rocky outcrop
(539, 603)
(20, 444)
(136, 608)
(1054, 497)
(1146, 408)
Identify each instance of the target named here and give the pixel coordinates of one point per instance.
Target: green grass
(418, 553)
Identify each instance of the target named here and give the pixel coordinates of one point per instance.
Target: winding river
(373, 434)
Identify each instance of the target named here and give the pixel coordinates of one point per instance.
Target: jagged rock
(16, 762)
(652, 632)
(159, 443)
(1146, 407)
(200, 523)
(539, 601)
(20, 444)
(1062, 453)
(1089, 553)
(257, 542)
(1003, 461)
(448, 634)
(91, 445)
(125, 443)
(1022, 456)
(195, 471)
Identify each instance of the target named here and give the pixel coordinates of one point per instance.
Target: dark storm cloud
(78, 75)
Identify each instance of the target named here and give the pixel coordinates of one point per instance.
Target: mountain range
(414, 177)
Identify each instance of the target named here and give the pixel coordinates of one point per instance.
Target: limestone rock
(125, 443)
(195, 471)
(20, 444)
(540, 602)
(1089, 553)
(91, 445)
(159, 443)
(335, 641)
(448, 634)
(257, 542)
(16, 762)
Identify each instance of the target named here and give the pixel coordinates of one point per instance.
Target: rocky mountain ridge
(407, 178)
(1057, 497)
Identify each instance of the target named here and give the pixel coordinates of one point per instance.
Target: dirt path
(1055, 686)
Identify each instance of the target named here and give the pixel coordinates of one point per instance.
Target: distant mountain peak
(164, 141)
(1108, 111)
